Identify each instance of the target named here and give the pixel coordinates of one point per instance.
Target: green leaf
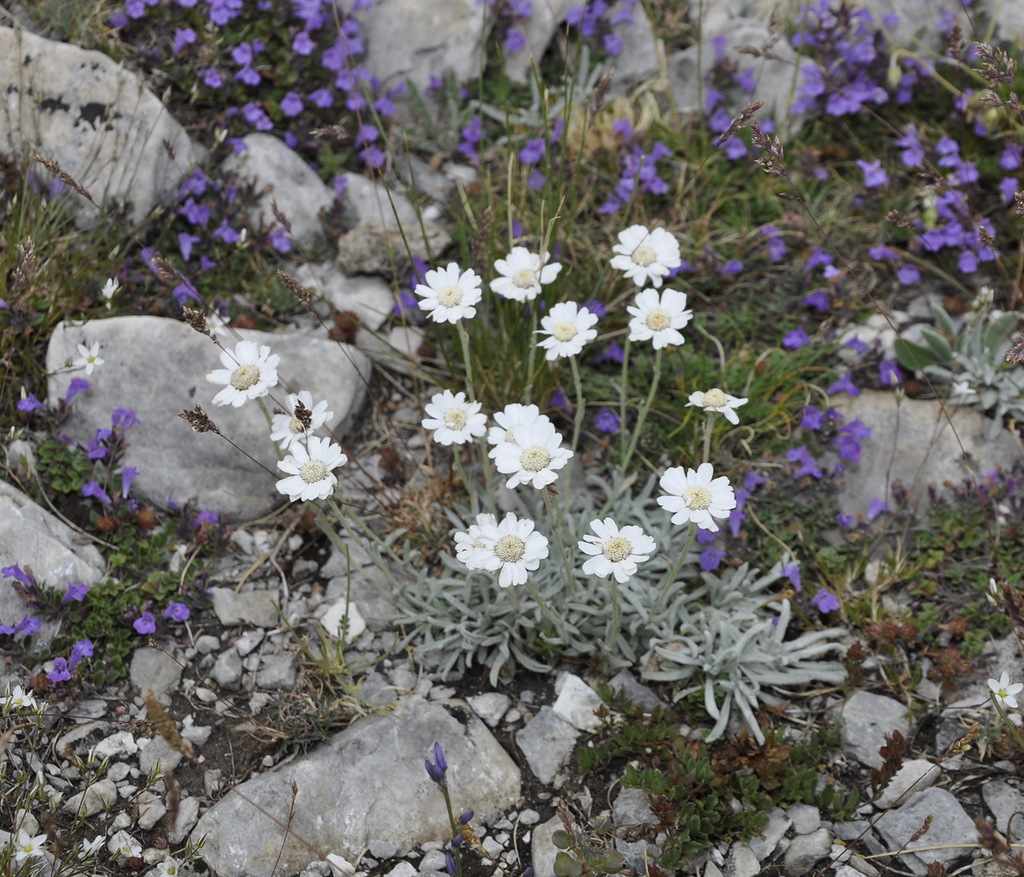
(567, 866)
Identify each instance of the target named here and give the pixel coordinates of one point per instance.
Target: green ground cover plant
(646, 476)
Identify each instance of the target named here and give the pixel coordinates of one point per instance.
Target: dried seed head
(199, 420)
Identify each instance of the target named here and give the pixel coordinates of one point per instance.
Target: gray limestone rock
(865, 720)
(807, 849)
(577, 703)
(99, 796)
(248, 607)
(158, 753)
(1005, 801)
(158, 367)
(156, 671)
(911, 441)
(369, 298)
(916, 775)
(227, 670)
(950, 825)
(538, 31)
(30, 536)
(366, 785)
(281, 176)
(490, 707)
(277, 671)
(98, 120)
(805, 818)
(547, 742)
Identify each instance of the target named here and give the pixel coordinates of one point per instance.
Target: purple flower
(145, 623)
(876, 507)
(226, 233)
(321, 98)
(813, 418)
(967, 262)
(818, 300)
(211, 78)
(734, 149)
(612, 353)
(536, 180)
(558, 399)
(844, 521)
(125, 418)
(197, 214)
(857, 346)
(30, 403)
(792, 572)
(254, 114)
(825, 601)
(607, 421)
(775, 245)
(807, 465)
(183, 37)
(185, 242)
(95, 449)
(874, 174)
(889, 373)
(206, 516)
(74, 592)
(81, 649)
(16, 572)
(28, 625)
(1010, 159)
(908, 274)
(373, 156)
(753, 480)
(291, 104)
(60, 671)
(92, 488)
(711, 558)
(844, 385)
(533, 151)
(849, 447)
(437, 768)
(612, 43)
(303, 44)
(795, 339)
(731, 268)
(128, 475)
(77, 385)
(515, 41)
(595, 307)
(176, 611)
(818, 257)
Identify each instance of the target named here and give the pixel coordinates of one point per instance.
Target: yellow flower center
(617, 549)
(524, 278)
(697, 498)
(565, 331)
(450, 296)
(295, 425)
(715, 399)
(644, 255)
(534, 458)
(659, 320)
(455, 418)
(245, 376)
(312, 471)
(510, 549)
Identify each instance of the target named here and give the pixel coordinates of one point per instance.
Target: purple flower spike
(437, 768)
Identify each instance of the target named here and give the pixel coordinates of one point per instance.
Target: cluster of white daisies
(525, 444)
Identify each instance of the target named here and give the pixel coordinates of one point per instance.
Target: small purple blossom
(818, 300)
(825, 601)
(813, 418)
(612, 353)
(607, 421)
(145, 623)
(128, 475)
(874, 173)
(908, 274)
(533, 151)
(60, 671)
(731, 268)
(18, 574)
(176, 611)
(792, 572)
(797, 338)
(291, 104)
(876, 507)
(92, 488)
(77, 385)
(889, 373)
(807, 465)
(437, 768)
(711, 558)
(81, 649)
(74, 592)
(30, 403)
(844, 385)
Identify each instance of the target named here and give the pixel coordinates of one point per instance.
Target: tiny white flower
(216, 324)
(123, 846)
(715, 401)
(88, 357)
(511, 418)
(646, 256)
(471, 547)
(659, 318)
(249, 373)
(615, 550)
(450, 294)
(110, 289)
(169, 867)
(90, 847)
(1004, 691)
(962, 393)
(522, 274)
(568, 328)
(453, 419)
(694, 495)
(27, 847)
(288, 429)
(513, 548)
(19, 699)
(534, 457)
(309, 469)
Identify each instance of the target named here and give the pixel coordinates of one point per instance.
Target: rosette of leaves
(468, 620)
(971, 362)
(733, 648)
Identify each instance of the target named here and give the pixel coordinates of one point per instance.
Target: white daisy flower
(450, 294)
(568, 328)
(471, 547)
(19, 699)
(695, 496)
(1004, 691)
(511, 418)
(288, 429)
(533, 458)
(309, 469)
(27, 847)
(248, 373)
(646, 256)
(715, 401)
(522, 274)
(453, 419)
(216, 324)
(88, 357)
(659, 318)
(513, 548)
(615, 550)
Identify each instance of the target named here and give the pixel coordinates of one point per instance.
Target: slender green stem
(623, 396)
(616, 625)
(453, 823)
(558, 622)
(1006, 721)
(464, 338)
(556, 515)
(670, 576)
(707, 438)
(578, 384)
(642, 413)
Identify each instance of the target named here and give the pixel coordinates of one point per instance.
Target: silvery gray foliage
(732, 646)
(723, 633)
(971, 362)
